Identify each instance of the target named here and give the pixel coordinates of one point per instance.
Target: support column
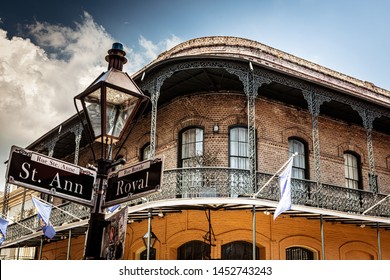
(153, 88)
(40, 248)
(314, 102)
(251, 94)
(69, 242)
(153, 125)
(368, 118)
(50, 146)
(322, 238)
(254, 232)
(251, 85)
(7, 191)
(378, 234)
(78, 131)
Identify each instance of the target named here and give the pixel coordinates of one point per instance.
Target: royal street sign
(133, 182)
(51, 176)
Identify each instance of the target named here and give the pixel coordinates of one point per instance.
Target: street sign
(133, 182)
(51, 176)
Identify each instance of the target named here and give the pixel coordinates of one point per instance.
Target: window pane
(146, 152)
(299, 162)
(243, 149)
(299, 253)
(192, 145)
(238, 137)
(234, 149)
(199, 148)
(242, 163)
(199, 134)
(243, 134)
(233, 162)
(238, 250)
(194, 250)
(234, 134)
(351, 171)
(298, 173)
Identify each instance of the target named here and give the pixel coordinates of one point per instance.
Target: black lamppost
(109, 105)
(149, 238)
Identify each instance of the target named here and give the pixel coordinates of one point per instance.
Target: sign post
(84, 186)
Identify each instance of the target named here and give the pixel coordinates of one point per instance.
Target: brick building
(226, 113)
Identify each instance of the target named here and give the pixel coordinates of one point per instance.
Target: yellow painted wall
(273, 237)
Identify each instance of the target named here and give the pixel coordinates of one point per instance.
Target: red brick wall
(275, 123)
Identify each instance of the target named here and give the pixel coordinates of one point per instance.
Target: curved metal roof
(239, 49)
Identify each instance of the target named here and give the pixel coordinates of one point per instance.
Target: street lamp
(149, 240)
(109, 106)
(153, 239)
(149, 237)
(111, 101)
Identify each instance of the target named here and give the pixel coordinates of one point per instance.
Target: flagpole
(378, 236)
(5, 217)
(254, 232)
(66, 212)
(376, 204)
(322, 238)
(273, 176)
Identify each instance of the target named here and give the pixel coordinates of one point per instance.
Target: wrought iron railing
(227, 182)
(57, 218)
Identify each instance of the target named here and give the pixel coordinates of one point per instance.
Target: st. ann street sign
(51, 176)
(133, 182)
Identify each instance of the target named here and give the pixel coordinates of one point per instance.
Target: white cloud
(152, 50)
(39, 80)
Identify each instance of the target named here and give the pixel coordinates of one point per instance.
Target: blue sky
(51, 50)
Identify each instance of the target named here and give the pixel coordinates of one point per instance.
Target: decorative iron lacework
(57, 218)
(228, 182)
(50, 144)
(314, 101)
(252, 81)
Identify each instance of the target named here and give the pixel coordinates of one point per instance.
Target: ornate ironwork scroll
(78, 132)
(368, 118)
(314, 101)
(155, 82)
(51, 145)
(154, 87)
(7, 191)
(314, 95)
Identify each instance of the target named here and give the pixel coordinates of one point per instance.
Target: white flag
(285, 190)
(44, 211)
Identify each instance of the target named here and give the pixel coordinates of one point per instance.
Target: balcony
(216, 182)
(226, 182)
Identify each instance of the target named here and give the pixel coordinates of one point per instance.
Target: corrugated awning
(140, 212)
(34, 239)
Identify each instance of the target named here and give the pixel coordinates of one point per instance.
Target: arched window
(145, 152)
(299, 253)
(299, 170)
(238, 147)
(191, 155)
(193, 250)
(152, 256)
(352, 170)
(238, 250)
(191, 147)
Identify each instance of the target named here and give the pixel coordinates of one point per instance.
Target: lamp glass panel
(92, 105)
(120, 106)
(153, 239)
